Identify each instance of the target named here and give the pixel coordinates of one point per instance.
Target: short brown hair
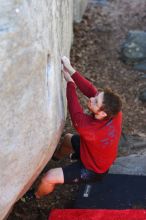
(112, 103)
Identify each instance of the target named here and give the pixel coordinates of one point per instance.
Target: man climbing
(96, 144)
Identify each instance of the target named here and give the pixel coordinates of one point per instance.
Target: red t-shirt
(98, 138)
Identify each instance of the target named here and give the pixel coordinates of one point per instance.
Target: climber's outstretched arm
(85, 86)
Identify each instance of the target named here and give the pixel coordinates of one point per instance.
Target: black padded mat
(116, 191)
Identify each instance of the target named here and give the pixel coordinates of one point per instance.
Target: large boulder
(133, 50)
(131, 165)
(33, 37)
(142, 96)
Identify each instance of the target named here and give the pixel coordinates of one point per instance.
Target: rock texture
(33, 37)
(142, 96)
(131, 165)
(134, 49)
(79, 8)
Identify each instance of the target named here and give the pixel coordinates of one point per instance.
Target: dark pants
(76, 172)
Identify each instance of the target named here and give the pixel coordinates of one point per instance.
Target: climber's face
(94, 104)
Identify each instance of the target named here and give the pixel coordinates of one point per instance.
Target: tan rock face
(33, 37)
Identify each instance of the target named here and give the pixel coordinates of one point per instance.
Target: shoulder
(119, 115)
(117, 120)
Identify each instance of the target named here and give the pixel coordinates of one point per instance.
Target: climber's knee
(54, 176)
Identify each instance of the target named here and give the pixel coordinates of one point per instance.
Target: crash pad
(115, 191)
(89, 214)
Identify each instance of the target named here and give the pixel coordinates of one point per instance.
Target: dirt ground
(96, 54)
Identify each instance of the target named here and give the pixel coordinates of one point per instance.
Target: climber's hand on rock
(67, 65)
(67, 76)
